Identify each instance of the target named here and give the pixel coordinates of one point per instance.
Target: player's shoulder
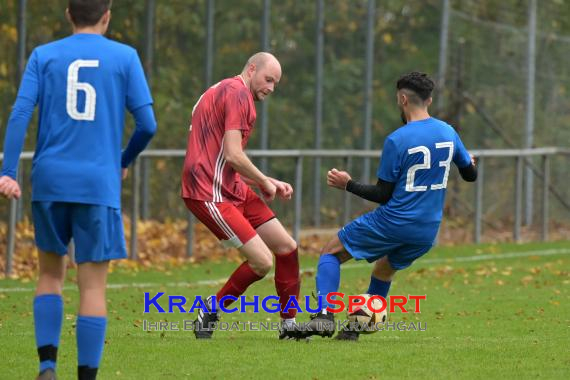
(399, 134)
(427, 128)
(234, 84)
(118, 49)
(50, 46)
(100, 44)
(235, 89)
(442, 124)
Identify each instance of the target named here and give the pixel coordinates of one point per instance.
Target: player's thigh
(255, 210)
(335, 247)
(224, 220)
(364, 240)
(258, 255)
(98, 233)
(276, 237)
(52, 226)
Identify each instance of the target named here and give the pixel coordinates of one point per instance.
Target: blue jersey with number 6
(417, 158)
(83, 84)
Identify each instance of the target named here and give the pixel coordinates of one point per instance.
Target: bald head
(261, 74)
(260, 60)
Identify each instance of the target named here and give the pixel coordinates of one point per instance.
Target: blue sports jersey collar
(421, 121)
(87, 35)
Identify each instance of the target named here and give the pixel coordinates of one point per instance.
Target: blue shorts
(97, 231)
(365, 241)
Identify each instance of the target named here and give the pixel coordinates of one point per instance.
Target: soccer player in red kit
(216, 188)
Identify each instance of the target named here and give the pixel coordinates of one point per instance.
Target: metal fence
(521, 157)
(527, 59)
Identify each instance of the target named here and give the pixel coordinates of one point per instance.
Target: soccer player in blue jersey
(82, 85)
(412, 181)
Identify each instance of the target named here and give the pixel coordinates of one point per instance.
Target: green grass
(499, 317)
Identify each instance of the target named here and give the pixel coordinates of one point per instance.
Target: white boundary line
(496, 256)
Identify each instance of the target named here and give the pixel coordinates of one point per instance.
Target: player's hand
(337, 178)
(284, 190)
(268, 190)
(124, 173)
(473, 159)
(9, 188)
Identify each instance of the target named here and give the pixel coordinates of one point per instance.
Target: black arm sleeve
(469, 173)
(379, 193)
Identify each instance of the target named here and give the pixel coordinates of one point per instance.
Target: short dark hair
(87, 12)
(419, 83)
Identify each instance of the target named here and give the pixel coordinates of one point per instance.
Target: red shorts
(233, 224)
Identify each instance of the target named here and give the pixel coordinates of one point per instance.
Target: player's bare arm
(236, 157)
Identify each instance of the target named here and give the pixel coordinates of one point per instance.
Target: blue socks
(48, 318)
(90, 341)
(379, 287)
(328, 276)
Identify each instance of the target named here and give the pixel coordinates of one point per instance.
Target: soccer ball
(365, 319)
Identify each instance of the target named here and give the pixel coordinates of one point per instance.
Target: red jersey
(206, 176)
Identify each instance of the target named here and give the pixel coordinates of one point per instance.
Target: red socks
(287, 281)
(238, 282)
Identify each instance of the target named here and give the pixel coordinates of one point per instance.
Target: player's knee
(332, 246)
(383, 270)
(262, 267)
(287, 246)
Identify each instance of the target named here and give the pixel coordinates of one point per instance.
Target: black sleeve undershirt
(469, 173)
(379, 193)
(382, 191)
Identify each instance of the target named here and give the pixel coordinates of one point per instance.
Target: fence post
(21, 61)
(443, 43)
(135, 208)
(479, 199)
(518, 198)
(368, 79)
(298, 197)
(318, 108)
(190, 235)
(263, 115)
(347, 195)
(145, 174)
(209, 58)
(150, 10)
(529, 127)
(545, 193)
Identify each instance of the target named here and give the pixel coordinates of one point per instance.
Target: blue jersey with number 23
(417, 158)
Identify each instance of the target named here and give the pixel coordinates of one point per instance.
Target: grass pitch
(494, 311)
